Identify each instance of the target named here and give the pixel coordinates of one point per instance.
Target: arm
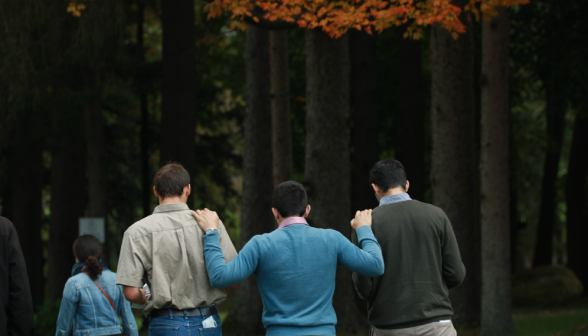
(130, 271)
(67, 310)
(454, 271)
(229, 251)
(124, 309)
(20, 311)
(368, 261)
(362, 284)
(135, 294)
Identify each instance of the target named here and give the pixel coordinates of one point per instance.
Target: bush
(45, 320)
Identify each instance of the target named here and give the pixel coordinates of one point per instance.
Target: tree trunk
(496, 318)
(412, 154)
(96, 163)
(555, 109)
(453, 166)
(577, 222)
(327, 173)
(256, 215)
(27, 188)
(280, 105)
(178, 119)
(146, 190)
(68, 187)
(364, 95)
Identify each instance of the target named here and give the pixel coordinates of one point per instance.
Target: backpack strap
(103, 292)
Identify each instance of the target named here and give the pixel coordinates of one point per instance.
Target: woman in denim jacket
(92, 301)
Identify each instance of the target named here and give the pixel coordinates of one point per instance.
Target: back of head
(290, 199)
(388, 174)
(171, 179)
(88, 249)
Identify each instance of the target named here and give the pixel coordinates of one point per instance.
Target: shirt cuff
(129, 282)
(212, 238)
(364, 232)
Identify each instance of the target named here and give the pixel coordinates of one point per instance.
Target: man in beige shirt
(165, 251)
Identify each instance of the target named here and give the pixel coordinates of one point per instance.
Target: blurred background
(96, 95)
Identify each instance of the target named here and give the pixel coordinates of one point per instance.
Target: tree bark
(412, 154)
(68, 187)
(555, 110)
(178, 119)
(256, 215)
(27, 189)
(496, 317)
(280, 106)
(364, 96)
(327, 173)
(577, 222)
(146, 190)
(453, 166)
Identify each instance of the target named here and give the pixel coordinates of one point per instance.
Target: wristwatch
(209, 230)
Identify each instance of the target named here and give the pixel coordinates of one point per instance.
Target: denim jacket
(86, 310)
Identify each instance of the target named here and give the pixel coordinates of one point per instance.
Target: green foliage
(45, 320)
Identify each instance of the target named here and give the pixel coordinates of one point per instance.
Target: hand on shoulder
(206, 219)
(362, 218)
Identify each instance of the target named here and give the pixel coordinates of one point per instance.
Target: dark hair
(290, 199)
(88, 248)
(171, 179)
(388, 174)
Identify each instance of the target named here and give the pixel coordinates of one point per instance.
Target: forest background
(491, 125)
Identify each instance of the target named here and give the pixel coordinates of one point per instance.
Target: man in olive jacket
(422, 261)
(16, 304)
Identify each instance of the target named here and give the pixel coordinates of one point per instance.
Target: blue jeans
(183, 326)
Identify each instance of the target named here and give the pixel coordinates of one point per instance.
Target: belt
(189, 312)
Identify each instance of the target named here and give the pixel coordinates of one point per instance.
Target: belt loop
(185, 314)
(201, 312)
(171, 314)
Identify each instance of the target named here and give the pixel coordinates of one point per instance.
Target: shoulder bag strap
(103, 292)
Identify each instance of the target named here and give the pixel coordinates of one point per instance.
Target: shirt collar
(292, 221)
(171, 207)
(394, 199)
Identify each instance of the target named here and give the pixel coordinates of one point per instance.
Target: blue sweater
(295, 268)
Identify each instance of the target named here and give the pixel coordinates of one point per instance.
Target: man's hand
(206, 219)
(361, 218)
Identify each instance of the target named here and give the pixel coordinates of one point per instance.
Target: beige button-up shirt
(165, 250)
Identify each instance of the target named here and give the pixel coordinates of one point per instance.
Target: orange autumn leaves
(338, 16)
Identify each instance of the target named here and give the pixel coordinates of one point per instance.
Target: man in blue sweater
(295, 265)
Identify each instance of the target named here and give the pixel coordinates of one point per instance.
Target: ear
(276, 213)
(376, 189)
(407, 186)
(155, 192)
(187, 190)
(307, 211)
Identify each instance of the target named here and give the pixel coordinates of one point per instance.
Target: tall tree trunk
(412, 154)
(146, 191)
(555, 110)
(496, 318)
(67, 195)
(96, 162)
(178, 119)
(577, 222)
(327, 172)
(364, 96)
(280, 106)
(256, 215)
(453, 167)
(27, 182)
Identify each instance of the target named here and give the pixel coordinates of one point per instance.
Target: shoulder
(6, 226)
(142, 227)
(412, 205)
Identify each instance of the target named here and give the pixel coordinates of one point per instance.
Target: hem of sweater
(414, 323)
(281, 330)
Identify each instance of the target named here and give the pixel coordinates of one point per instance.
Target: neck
(394, 191)
(171, 200)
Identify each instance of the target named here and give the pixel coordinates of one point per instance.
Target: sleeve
(67, 310)
(226, 244)
(223, 274)
(130, 268)
(124, 309)
(367, 261)
(363, 284)
(454, 271)
(20, 311)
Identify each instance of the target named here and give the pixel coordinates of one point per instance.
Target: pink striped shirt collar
(292, 221)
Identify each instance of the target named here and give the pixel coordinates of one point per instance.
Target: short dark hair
(88, 249)
(290, 199)
(388, 174)
(171, 179)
